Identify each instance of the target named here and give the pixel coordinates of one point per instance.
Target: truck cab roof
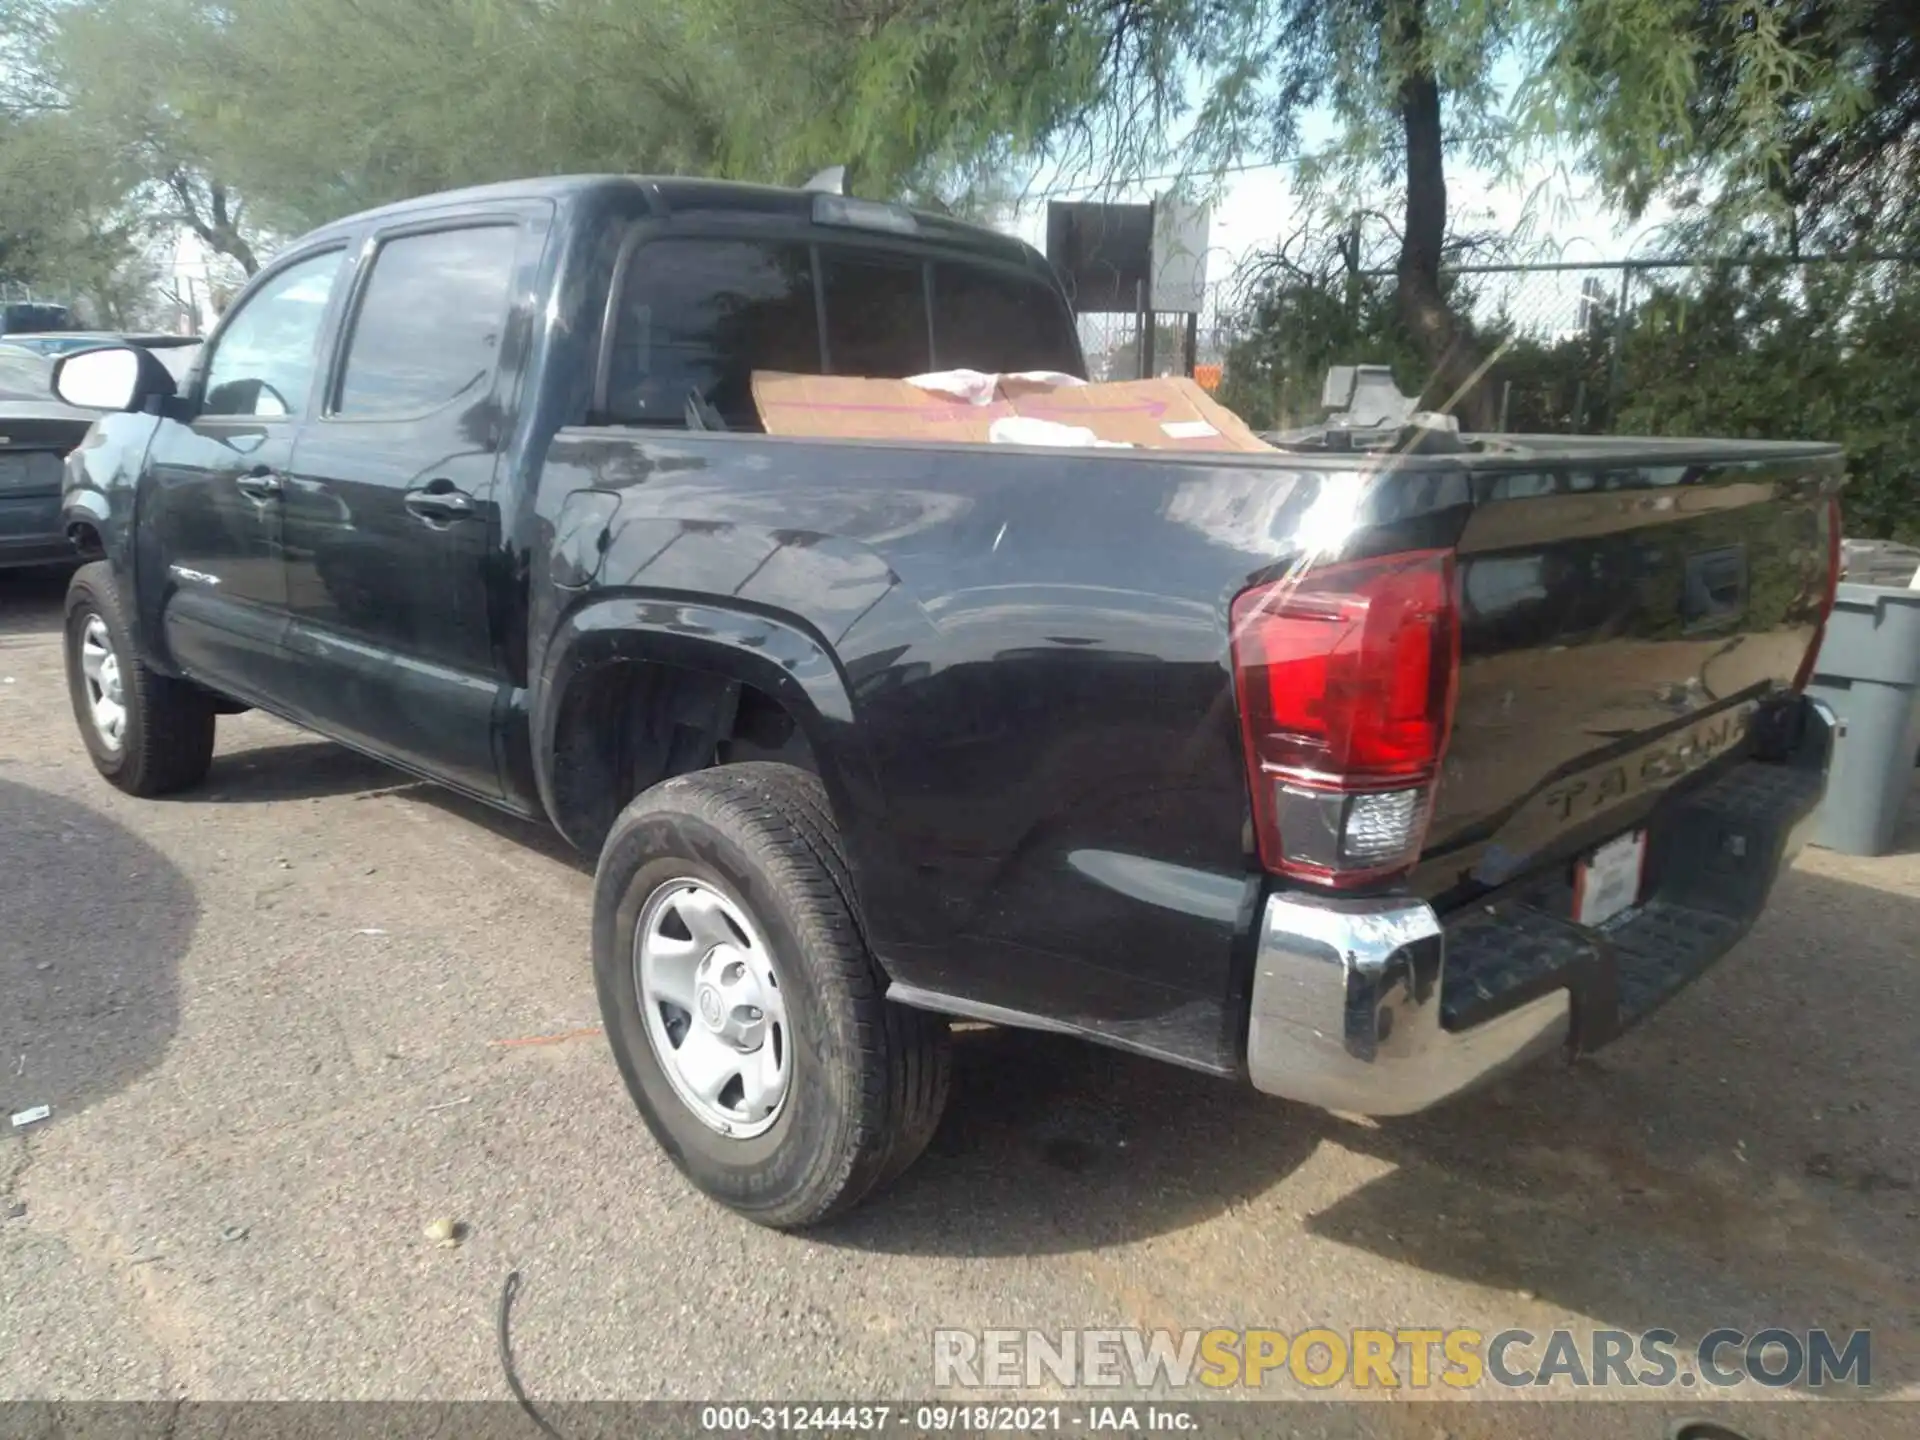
(674, 197)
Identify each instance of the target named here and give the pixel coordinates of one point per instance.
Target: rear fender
(773, 654)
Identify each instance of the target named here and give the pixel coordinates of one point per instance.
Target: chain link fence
(1547, 325)
(1759, 347)
(1182, 344)
(1576, 347)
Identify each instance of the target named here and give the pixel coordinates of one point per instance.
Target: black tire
(869, 1078)
(166, 742)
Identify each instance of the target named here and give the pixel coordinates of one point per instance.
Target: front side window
(264, 362)
(698, 317)
(429, 323)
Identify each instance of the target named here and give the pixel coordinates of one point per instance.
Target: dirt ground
(287, 1020)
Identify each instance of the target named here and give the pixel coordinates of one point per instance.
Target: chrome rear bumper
(1346, 1010)
(1352, 1009)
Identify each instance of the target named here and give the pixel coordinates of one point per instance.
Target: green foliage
(915, 95)
(1304, 314)
(1812, 353)
(242, 119)
(62, 232)
(1794, 119)
(1294, 331)
(311, 108)
(1737, 351)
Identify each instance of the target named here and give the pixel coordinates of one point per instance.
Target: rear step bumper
(1379, 1007)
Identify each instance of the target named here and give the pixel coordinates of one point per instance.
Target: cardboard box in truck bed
(1169, 413)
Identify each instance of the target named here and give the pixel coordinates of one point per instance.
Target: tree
(63, 233)
(1746, 351)
(111, 86)
(1795, 123)
(1801, 113)
(239, 119)
(1792, 352)
(1131, 86)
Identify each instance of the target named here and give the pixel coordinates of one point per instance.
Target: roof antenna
(833, 180)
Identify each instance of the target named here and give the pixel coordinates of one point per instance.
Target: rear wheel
(745, 1012)
(147, 733)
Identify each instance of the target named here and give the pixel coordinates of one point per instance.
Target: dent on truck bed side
(1013, 669)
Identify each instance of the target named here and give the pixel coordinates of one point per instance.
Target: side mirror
(114, 377)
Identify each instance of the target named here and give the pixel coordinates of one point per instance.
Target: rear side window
(985, 320)
(876, 315)
(429, 323)
(698, 317)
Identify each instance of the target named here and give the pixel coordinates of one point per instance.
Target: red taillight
(1346, 680)
(1827, 597)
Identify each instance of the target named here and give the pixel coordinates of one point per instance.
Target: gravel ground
(275, 1019)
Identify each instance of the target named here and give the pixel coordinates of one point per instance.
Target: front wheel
(746, 1014)
(147, 733)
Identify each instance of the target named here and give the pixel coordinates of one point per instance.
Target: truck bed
(1031, 649)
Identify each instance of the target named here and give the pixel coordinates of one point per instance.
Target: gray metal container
(1869, 672)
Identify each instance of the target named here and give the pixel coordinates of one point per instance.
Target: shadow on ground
(32, 601)
(93, 925)
(301, 770)
(317, 769)
(1747, 1159)
(535, 835)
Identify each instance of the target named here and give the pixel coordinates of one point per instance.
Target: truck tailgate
(1617, 623)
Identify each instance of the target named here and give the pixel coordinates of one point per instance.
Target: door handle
(439, 506)
(260, 483)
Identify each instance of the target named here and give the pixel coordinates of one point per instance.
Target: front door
(211, 511)
(388, 509)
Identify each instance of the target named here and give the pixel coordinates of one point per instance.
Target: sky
(1259, 207)
(1567, 218)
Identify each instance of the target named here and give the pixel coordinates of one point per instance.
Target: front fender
(83, 506)
(100, 490)
(774, 654)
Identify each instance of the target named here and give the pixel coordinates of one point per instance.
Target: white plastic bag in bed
(978, 389)
(1028, 430)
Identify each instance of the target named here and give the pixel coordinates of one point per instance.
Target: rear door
(213, 485)
(389, 506)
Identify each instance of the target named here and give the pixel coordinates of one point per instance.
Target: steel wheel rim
(713, 1009)
(106, 695)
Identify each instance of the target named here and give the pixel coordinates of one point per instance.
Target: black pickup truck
(1359, 770)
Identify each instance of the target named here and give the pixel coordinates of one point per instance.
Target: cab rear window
(696, 318)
